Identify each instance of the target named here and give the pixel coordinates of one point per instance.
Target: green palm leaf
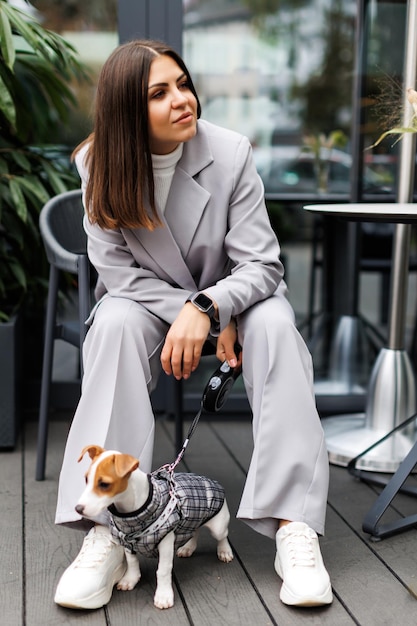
(6, 40)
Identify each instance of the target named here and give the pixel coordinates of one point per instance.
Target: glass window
(92, 29)
(279, 72)
(384, 24)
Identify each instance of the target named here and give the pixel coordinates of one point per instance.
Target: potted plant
(321, 146)
(37, 68)
(401, 130)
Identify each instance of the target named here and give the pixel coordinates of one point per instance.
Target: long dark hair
(120, 185)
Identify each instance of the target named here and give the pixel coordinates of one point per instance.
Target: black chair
(65, 244)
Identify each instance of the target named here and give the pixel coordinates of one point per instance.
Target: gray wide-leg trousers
(288, 473)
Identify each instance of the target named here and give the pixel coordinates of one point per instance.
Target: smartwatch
(203, 303)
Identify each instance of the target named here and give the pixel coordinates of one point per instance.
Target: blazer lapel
(169, 245)
(165, 253)
(186, 203)
(187, 199)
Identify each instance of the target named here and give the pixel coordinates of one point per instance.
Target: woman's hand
(226, 345)
(184, 342)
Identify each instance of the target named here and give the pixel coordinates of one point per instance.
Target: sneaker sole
(96, 600)
(291, 600)
(287, 597)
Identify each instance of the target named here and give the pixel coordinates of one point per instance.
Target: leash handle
(214, 396)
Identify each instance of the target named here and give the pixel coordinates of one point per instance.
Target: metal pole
(401, 249)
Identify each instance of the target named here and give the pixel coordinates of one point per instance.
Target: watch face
(203, 301)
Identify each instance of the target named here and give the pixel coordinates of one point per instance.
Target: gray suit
(217, 238)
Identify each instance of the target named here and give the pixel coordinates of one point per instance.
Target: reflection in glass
(383, 68)
(92, 29)
(276, 71)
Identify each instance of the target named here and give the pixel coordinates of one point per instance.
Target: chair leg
(315, 264)
(46, 373)
(83, 302)
(370, 523)
(391, 488)
(413, 344)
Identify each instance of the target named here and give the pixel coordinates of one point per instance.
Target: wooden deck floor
(375, 583)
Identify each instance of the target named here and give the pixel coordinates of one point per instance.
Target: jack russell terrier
(153, 514)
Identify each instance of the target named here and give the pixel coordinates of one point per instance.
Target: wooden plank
(360, 578)
(362, 581)
(11, 532)
(374, 583)
(214, 592)
(136, 606)
(256, 552)
(401, 506)
(366, 495)
(351, 499)
(49, 548)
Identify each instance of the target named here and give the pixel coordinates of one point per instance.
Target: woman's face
(172, 107)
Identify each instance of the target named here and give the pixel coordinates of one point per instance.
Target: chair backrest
(61, 226)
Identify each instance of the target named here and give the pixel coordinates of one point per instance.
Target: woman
(180, 237)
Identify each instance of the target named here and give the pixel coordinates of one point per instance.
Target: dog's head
(106, 478)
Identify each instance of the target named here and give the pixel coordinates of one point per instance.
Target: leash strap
(170, 468)
(219, 384)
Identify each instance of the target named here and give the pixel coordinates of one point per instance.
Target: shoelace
(300, 548)
(94, 550)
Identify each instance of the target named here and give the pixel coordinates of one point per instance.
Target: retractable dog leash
(214, 396)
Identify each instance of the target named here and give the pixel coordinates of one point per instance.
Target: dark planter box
(10, 368)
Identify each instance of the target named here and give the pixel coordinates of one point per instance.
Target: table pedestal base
(351, 356)
(344, 348)
(347, 436)
(343, 359)
(391, 400)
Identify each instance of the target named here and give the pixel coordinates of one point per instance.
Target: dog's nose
(80, 509)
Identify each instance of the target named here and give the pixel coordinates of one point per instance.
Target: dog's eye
(103, 485)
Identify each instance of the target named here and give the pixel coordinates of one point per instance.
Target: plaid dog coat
(179, 502)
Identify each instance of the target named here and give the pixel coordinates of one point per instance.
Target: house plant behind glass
(402, 130)
(37, 68)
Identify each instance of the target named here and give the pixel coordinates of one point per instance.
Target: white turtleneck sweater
(163, 171)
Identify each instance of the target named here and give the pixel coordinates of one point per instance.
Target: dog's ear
(125, 464)
(93, 451)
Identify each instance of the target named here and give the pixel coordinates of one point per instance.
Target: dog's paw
(224, 551)
(187, 549)
(127, 583)
(164, 599)
(184, 552)
(226, 557)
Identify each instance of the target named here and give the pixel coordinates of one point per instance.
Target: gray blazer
(216, 235)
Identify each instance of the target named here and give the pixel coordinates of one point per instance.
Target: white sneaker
(88, 582)
(305, 581)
